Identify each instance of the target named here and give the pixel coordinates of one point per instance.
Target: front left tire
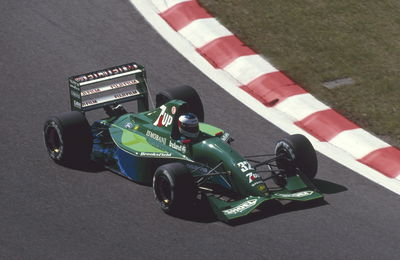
(174, 188)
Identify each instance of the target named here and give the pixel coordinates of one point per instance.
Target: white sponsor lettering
(241, 207)
(244, 166)
(126, 94)
(105, 99)
(295, 195)
(109, 87)
(156, 154)
(163, 119)
(105, 73)
(179, 147)
(156, 137)
(252, 176)
(89, 102)
(90, 91)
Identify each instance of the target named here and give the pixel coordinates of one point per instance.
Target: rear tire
(174, 188)
(68, 138)
(185, 93)
(298, 154)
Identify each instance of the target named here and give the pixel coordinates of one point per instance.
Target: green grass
(317, 41)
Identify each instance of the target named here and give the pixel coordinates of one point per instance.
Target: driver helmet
(188, 125)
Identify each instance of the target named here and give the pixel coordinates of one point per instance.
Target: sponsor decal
(89, 102)
(241, 207)
(129, 125)
(156, 137)
(109, 87)
(90, 91)
(126, 94)
(109, 98)
(156, 154)
(105, 73)
(296, 195)
(262, 187)
(180, 147)
(163, 119)
(124, 84)
(77, 104)
(244, 166)
(252, 176)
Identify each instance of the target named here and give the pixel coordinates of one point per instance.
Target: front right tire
(296, 153)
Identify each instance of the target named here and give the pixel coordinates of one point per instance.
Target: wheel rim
(285, 163)
(53, 141)
(163, 190)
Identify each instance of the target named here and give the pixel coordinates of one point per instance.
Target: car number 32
(244, 166)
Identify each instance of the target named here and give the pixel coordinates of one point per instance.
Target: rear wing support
(108, 87)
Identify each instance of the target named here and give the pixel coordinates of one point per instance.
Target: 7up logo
(163, 119)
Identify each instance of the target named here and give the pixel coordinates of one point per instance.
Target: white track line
(276, 117)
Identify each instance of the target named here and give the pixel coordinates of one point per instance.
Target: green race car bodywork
(134, 145)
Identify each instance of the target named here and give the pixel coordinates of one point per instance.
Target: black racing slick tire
(295, 153)
(174, 188)
(68, 138)
(185, 93)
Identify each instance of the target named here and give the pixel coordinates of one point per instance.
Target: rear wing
(109, 86)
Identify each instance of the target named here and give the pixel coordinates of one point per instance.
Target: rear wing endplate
(109, 86)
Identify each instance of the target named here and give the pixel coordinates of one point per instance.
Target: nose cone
(244, 179)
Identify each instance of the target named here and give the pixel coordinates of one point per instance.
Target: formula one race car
(148, 147)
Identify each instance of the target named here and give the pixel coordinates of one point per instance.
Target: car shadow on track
(273, 208)
(327, 187)
(203, 213)
(85, 166)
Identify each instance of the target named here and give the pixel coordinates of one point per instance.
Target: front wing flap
(228, 210)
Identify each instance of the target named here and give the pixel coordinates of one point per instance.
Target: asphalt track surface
(52, 212)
